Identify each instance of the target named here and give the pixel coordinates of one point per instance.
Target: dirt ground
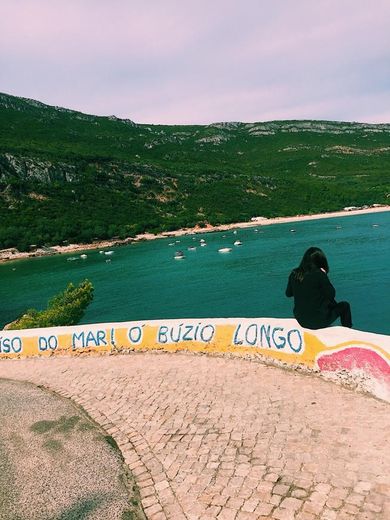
(56, 463)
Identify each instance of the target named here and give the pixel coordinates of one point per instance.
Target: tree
(66, 308)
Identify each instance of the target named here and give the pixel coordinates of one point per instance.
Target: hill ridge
(69, 176)
(4, 97)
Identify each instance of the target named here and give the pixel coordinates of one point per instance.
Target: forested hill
(65, 175)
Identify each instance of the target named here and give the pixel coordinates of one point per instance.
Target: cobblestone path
(221, 438)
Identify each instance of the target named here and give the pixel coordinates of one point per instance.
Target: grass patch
(62, 425)
(112, 442)
(43, 426)
(53, 445)
(129, 515)
(85, 426)
(66, 424)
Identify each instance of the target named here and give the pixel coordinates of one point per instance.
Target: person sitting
(315, 306)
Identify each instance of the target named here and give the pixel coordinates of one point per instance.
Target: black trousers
(342, 310)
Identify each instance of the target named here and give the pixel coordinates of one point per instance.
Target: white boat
(83, 257)
(238, 243)
(109, 252)
(101, 252)
(224, 250)
(179, 255)
(191, 248)
(202, 240)
(72, 258)
(172, 243)
(234, 232)
(203, 244)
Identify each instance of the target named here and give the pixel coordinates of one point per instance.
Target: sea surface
(143, 281)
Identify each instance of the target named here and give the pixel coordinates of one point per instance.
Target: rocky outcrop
(32, 168)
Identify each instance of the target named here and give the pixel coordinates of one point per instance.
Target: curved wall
(356, 358)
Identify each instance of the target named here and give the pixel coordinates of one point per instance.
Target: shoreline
(10, 254)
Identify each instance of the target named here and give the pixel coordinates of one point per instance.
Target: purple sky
(201, 61)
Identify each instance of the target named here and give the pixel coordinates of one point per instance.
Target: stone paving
(230, 439)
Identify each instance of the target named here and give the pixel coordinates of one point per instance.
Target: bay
(143, 281)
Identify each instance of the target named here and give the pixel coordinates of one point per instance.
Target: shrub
(66, 308)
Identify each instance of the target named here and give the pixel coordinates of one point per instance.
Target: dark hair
(314, 258)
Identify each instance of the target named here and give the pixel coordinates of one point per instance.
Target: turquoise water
(143, 281)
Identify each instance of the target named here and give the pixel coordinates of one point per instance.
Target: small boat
(202, 240)
(177, 241)
(101, 252)
(172, 243)
(224, 250)
(234, 232)
(292, 230)
(375, 225)
(338, 227)
(192, 248)
(108, 252)
(238, 243)
(108, 260)
(72, 259)
(179, 255)
(83, 257)
(203, 244)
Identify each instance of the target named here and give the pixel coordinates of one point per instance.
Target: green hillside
(65, 175)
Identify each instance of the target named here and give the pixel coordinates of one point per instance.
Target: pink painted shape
(355, 358)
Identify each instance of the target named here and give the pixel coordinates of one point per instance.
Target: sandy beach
(14, 254)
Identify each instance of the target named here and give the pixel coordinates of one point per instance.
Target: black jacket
(314, 298)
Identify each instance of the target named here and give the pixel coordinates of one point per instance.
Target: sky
(201, 61)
